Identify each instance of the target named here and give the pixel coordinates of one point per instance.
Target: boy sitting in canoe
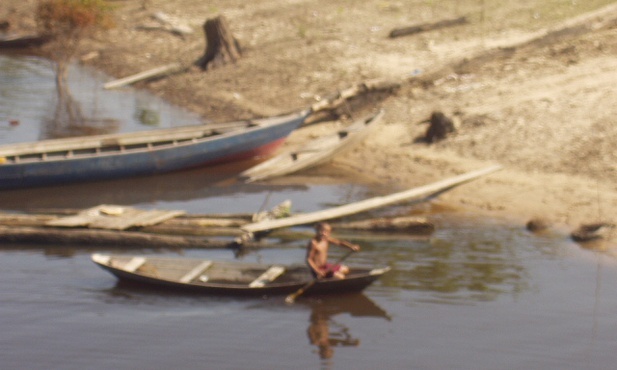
(317, 253)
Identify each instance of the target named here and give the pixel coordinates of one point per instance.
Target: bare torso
(317, 252)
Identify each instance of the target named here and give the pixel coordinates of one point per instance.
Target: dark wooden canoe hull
(356, 281)
(141, 160)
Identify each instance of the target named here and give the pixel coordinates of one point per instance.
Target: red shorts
(329, 268)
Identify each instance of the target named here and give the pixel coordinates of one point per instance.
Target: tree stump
(221, 46)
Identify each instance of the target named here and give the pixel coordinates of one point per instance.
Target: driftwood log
(76, 237)
(187, 231)
(221, 46)
(414, 225)
(404, 31)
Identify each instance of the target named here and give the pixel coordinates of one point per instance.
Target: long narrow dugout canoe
(103, 157)
(229, 278)
(314, 153)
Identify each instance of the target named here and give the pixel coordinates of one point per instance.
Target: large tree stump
(221, 46)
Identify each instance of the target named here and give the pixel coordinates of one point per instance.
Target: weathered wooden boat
(229, 278)
(102, 157)
(315, 152)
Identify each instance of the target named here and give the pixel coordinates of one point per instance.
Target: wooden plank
(368, 204)
(267, 277)
(120, 222)
(198, 270)
(113, 217)
(134, 264)
(155, 217)
(397, 32)
(83, 218)
(142, 76)
(133, 218)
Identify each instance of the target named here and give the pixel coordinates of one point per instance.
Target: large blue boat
(102, 157)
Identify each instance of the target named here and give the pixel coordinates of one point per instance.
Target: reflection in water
(28, 96)
(69, 120)
(319, 335)
(469, 266)
(181, 186)
(325, 333)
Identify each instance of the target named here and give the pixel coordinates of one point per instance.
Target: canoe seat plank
(134, 264)
(197, 270)
(267, 277)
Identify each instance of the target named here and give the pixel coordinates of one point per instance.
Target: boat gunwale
(47, 151)
(365, 278)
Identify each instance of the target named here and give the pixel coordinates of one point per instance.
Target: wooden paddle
(292, 297)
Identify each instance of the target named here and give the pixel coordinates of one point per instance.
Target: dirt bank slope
(545, 110)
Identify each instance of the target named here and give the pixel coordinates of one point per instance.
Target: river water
(478, 294)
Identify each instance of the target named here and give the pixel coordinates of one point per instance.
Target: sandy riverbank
(545, 110)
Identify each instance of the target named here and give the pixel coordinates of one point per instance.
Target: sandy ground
(541, 104)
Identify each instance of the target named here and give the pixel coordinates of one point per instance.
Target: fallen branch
(155, 72)
(172, 24)
(404, 31)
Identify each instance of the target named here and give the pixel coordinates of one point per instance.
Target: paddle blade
(290, 299)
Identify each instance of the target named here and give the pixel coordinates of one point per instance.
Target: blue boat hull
(233, 146)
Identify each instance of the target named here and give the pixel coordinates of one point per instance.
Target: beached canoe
(103, 157)
(314, 153)
(229, 278)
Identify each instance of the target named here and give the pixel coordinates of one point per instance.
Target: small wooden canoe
(103, 157)
(315, 152)
(229, 278)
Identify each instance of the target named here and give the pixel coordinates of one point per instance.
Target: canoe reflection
(325, 333)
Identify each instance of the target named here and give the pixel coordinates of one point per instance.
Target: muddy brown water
(478, 294)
